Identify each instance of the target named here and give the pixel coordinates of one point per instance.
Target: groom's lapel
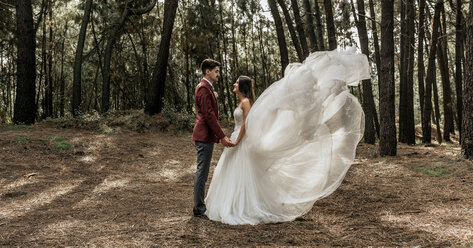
(209, 87)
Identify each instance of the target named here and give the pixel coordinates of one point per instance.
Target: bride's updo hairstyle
(246, 86)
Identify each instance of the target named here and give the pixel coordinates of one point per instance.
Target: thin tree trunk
(437, 107)
(154, 104)
(49, 90)
(292, 31)
(402, 74)
(426, 124)
(77, 81)
(467, 124)
(300, 28)
(368, 101)
(446, 90)
(320, 31)
(376, 53)
(420, 57)
(406, 102)
(280, 34)
(25, 106)
(410, 122)
(387, 140)
(458, 64)
(332, 35)
(310, 26)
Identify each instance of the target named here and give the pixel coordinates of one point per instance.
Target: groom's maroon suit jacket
(207, 128)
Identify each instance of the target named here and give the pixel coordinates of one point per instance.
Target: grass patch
(56, 138)
(21, 139)
(106, 129)
(433, 171)
(63, 145)
(13, 127)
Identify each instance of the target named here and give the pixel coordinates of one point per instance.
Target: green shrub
(63, 145)
(20, 139)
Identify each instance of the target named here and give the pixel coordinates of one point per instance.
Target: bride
(294, 145)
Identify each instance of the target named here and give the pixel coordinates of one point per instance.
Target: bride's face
(235, 87)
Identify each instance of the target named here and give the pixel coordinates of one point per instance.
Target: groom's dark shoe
(200, 215)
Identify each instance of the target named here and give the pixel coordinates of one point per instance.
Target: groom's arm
(208, 114)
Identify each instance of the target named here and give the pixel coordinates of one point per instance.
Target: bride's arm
(245, 105)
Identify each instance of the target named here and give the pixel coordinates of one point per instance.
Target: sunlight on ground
(456, 222)
(88, 159)
(18, 183)
(105, 186)
(171, 171)
(16, 208)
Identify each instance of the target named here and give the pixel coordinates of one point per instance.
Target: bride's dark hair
(246, 86)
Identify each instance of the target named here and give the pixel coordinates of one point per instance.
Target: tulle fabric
(301, 138)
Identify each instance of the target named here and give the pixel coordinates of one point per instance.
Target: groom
(207, 130)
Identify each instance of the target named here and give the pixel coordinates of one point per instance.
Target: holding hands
(227, 142)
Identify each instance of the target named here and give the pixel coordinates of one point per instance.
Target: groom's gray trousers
(204, 155)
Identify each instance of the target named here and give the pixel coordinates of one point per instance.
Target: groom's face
(214, 74)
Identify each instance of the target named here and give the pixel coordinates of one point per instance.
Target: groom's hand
(226, 142)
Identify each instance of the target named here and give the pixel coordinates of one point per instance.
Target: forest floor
(68, 185)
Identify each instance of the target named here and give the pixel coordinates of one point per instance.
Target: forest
(63, 59)
(97, 110)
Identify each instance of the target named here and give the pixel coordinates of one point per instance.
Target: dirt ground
(132, 189)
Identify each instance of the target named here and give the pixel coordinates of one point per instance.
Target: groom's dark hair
(208, 64)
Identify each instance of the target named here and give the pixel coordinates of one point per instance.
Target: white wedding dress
(301, 138)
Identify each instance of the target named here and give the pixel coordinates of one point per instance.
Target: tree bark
(310, 26)
(458, 64)
(446, 90)
(77, 81)
(426, 121)
(436, 107)
(406, 102)
(292, 31)
(300, 28)
(320, 29)
(420, 57)
(467, 124)
(332, 35)
(25, 105)
(368, 101)
(154, 104)
(387, 140)
(376, 53)
(280, 34)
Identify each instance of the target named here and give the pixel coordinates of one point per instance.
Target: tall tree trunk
(154, 104)
(77, 81)
(437, 107)
(25, 106)
(376, 53)
(310, 26)
(280, 34)
(300, 28)
(446, 90)
(292, 31)
(406, 103)
(420, 57)
(387, 139)
(116, 33)
(467, 124)
(320, 29)
(332, 35)
(458, 64)
(49, 74)
(426, 124)
(368, 101)
(402, 73)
